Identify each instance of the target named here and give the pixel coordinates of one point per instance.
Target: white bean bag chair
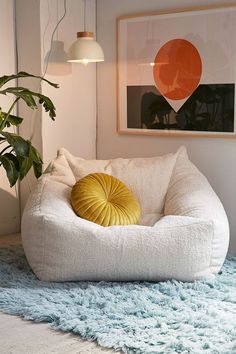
(183, 232)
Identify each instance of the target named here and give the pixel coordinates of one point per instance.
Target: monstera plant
(18, 155)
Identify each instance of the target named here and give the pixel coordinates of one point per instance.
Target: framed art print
(176, 72)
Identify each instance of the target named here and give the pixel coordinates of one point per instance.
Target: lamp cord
(52, 37)
(48, 58)
(85, 24)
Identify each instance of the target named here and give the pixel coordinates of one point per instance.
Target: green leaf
(37, 169)
(28, 97)
(37, 161)
(4, 79)
(12, 173)
(25, 165)
(35, 155)
(22, 93)
(20, 145)
(14, 159)
(12, 120)
(47, 105)
(34, 159)
(22, 155)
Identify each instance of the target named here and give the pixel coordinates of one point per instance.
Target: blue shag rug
(139, 317)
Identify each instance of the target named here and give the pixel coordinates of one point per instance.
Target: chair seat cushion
(105, 200)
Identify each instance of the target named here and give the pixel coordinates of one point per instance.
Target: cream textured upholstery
(183, 233)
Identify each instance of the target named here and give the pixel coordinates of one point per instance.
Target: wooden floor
(25, 337)
(10, 240)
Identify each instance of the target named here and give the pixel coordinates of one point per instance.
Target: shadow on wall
(56, 59)
(9, 213)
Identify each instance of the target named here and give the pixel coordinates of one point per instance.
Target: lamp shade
(85, 49)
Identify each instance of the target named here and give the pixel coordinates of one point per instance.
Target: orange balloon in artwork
(177, 69)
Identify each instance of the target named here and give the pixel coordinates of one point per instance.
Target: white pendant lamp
(85, 49)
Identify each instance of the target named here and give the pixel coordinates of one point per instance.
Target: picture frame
(176, 72)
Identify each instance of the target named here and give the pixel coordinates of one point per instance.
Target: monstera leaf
(4, 79)
(18, 155)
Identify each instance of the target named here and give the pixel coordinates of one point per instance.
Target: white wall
(215, 157)
(9, 202)
(75, 100)
(29, 59)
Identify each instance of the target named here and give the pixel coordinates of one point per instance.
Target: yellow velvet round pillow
(105, 200)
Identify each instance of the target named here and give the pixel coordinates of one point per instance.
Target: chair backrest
(148, 178)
